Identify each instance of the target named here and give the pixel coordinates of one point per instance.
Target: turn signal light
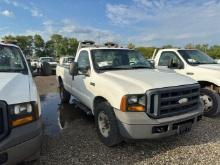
(22, 121)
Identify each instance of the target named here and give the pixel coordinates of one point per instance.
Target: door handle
(189, 73)
(92, 83)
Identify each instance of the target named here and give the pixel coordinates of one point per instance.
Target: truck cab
(66, 60)
(199, 66)
(20, 110)
(127, 96)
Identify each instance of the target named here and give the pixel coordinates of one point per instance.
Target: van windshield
(195, 57)
(115, 59)
(11, 59)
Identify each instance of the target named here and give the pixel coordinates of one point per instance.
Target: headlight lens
(133, 103)
(24, 113)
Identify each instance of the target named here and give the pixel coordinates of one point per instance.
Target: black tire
(64, 94)
(46, 69)
(212, 97)
(114, 136)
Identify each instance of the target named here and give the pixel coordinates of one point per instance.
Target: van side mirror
(73, 70)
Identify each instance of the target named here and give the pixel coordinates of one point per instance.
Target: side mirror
(175, 65)
(74, 69)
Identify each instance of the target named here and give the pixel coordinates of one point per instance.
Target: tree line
(36, 46)
(57, 46)
(213, 51)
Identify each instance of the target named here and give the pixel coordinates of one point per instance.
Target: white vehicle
(67, 60)
(218, 61)
(34, 63)
(46, 65)
(20, 110)
(127, 96)
(199, 66)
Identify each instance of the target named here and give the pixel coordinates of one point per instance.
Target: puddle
(57, 116)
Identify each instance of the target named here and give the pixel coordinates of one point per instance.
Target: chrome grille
(172, 101)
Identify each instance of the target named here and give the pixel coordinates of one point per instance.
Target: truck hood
(145, 79)
(14, 88)
(210, 66)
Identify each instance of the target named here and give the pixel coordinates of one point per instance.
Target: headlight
(24, 113)
(133, 103)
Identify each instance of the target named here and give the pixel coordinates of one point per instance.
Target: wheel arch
(60, 80)
(209, 85)
(97, 100)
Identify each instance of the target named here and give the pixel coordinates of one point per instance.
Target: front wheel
(64, 95)
(211, 102)
(107, 125)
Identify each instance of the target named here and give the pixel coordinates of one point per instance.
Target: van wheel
(64, 94)
(107, 125)
(211, 102)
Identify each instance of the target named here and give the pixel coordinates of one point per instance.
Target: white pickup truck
(199, 66)
(46, 65)
(20, 111)
(66, 60)
(127, 96)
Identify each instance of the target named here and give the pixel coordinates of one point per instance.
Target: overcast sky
(142, 22)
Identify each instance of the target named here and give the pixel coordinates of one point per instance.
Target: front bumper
(22, 143)
(137, 125)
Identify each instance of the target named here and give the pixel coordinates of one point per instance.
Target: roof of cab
(6, 44)
(101, 48)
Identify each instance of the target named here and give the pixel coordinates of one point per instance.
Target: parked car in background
(20, 110)
(46, 65)
(127, 96)
(66, 60)
(199, 66)
(34, 63)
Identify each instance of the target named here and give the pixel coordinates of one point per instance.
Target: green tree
(39, 45)
(73, 45)
(146, 51)
(131, 46)
(167, 46)
(26, 44)
(190, 46)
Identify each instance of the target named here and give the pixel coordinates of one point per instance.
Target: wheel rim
(104, 124)
(208, 102)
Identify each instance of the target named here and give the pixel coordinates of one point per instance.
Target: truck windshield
(11, 60)
(114, 59)
(195, 57)
(47, 60)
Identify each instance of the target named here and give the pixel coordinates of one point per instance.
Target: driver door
(170, 60)
(81, 82)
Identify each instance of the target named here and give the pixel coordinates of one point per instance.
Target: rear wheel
(64, 95)
(107, 125)
(211, 102)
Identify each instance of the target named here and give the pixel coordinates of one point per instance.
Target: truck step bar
(82, 107)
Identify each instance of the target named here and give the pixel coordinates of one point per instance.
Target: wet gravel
(70, 138)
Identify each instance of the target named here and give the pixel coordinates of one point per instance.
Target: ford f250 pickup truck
(127, 96)
(20, 111)
(199, 66)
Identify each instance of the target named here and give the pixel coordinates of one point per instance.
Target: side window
(166, 57)
(83, 61)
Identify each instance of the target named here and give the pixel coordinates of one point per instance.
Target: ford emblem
(183, 100)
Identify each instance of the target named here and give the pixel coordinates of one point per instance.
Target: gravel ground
(70, 138)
